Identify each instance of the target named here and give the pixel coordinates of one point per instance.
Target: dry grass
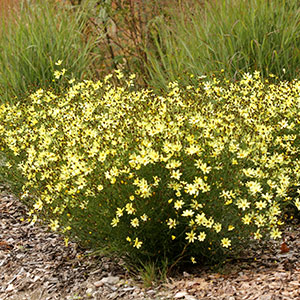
(6, 9)
(8, 5)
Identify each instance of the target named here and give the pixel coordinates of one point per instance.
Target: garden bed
(35, 264)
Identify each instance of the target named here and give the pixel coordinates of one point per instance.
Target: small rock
(110, 280)
(265, 297)
(113, 288)
(98, 284)
(181, 295)
(36, 278)
(189, 297)
(89, 291)
(113, 295)
(127, 289)
(10, 288)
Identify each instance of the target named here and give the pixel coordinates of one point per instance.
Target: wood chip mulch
(35, 264)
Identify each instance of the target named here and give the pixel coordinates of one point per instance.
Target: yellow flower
(228, 202)
(257, 235)
(217, 227)
(114, 222)
(208, 222)
(243, 204)
(190, 236)
(171, 223)
(275, 233)
(267, 196)
(192, 223)
(187, 213)
(144, 217)
(260, 204)
(129, 209)
(234, 161)
(54, 225)
(195, 205)
(119, 212)
(176, 174)
(173, 164)
(178, 204)
(38, 205)
(135, 222)
(100, 187)
(66, 241)
(203, 166)
(230, 228)
(137, 244)
(254, 187)
(57, 74)
(247, 219)
(191, 189)
(201, 236)
(260, 220)
(200, 218)
(192, 150)
(226, 242)
(297, 202)
(193, 260)
(242, 154)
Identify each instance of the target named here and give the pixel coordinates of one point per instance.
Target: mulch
(35, 264)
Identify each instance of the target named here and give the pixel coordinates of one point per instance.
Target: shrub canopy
(193, 173)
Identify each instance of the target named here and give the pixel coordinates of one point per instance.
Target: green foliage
(190, 175)
(151, 273)
(33, 39)
(236, 36)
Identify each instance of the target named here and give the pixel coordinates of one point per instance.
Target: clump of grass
(33, 38)
(152, 274)
(236, 36)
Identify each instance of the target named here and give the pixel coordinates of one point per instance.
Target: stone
(98, 284)
(180, 295)
(110, 280)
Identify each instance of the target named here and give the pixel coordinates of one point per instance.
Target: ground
(35, 264)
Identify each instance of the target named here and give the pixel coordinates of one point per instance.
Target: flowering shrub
(190, 174)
